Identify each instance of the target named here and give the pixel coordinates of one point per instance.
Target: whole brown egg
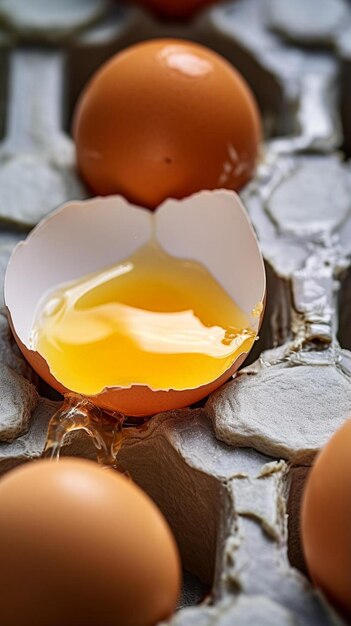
(82, 546)
(326, 519)
(166, 118)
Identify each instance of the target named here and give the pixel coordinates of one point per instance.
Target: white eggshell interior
(84, 237)
(212, 227)
(77, 239)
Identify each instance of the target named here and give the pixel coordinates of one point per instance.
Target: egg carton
(228, 475)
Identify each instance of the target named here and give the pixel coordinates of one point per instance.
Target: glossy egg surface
(166, 118)
(326, 519)
(85, 546)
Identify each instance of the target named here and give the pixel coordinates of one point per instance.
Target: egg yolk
(152, 319)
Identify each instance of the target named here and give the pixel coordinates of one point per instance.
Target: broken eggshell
(83, 237)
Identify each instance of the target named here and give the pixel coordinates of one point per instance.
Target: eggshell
(82, 237)
(326, 519)
(166, 118)
(85, 546)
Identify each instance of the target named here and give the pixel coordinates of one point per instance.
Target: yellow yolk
(152, 320)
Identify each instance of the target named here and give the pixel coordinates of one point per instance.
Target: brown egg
(326, 519)
(166, 118)
(175, 8)
(82, 546)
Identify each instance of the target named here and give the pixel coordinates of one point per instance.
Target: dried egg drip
(153, 319)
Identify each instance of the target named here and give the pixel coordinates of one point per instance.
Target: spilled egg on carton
(141, 312)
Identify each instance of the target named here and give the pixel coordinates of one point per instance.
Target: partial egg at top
(83, 546)
(175, 8)
(166, 118)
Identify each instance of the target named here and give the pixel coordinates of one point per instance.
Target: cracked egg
(141, 312)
